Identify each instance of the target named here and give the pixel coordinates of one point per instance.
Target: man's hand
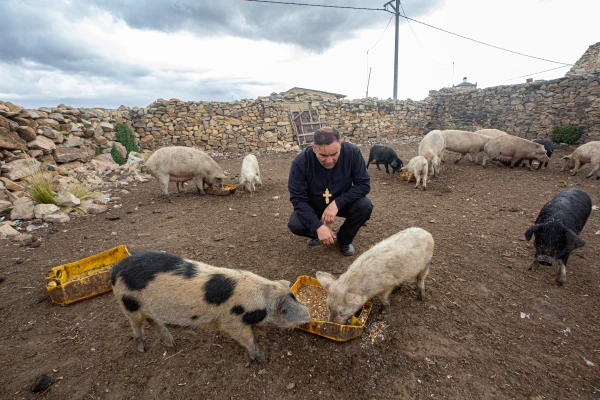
(325, 235)
(329, 214)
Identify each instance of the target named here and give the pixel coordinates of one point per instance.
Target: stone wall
(67, 135)
(589, 62)
(530, 110)
(264, 124)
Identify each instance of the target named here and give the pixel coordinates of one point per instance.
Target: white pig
(391, 262)
(432, 147)
(587, 153)
(512, 149)
(250, 175)
(417, 167)
(464, 142)
(493, 133)
(181, 164)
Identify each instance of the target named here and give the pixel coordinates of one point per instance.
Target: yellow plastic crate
(85, 278)
(332, 330)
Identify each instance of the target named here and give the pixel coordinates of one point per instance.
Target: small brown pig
(391, 262)
(163, 288)
(181, 164)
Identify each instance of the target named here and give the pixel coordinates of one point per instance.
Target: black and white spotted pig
(163, 288)
(557, 229)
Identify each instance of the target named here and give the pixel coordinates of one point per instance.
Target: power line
(414, 20)
(534, 73)
(316, 5)
(486, 44)
(388, 24)
(416, 37)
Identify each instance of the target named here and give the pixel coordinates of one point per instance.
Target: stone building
(464, 85)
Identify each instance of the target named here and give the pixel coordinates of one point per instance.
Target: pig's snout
(544, 260)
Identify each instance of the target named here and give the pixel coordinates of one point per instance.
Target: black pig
(557, 228)
(386, 156)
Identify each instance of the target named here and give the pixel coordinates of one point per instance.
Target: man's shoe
(347, 249)
(312, 241)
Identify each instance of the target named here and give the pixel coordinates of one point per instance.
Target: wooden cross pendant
(327, 195)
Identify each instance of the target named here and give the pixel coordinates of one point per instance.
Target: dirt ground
(488, 328)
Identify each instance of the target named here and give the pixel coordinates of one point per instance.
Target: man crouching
(326, 180)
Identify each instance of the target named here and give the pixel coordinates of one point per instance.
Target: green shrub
(566, 134)
(98, 151)
(117, 156)
(126, 138)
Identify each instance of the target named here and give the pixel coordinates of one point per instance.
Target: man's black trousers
(356, 215)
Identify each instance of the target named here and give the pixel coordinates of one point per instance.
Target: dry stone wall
(529, 110)
(264, 124)
(69, 136)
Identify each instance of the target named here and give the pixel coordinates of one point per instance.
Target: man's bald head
(326, 135)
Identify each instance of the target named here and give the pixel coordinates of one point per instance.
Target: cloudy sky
(105, 53)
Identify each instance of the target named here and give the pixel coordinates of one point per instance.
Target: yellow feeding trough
(404, 176)
(85, 278)
(224, 191)
(307, 291)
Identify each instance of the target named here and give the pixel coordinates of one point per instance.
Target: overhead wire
(317, 5)
(535, 73)
(414, 20)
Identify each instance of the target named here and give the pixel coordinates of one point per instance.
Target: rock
(58, 217)
(290, 386)
(42, 210)
(48, 132)
(5, 207)
(24, 239)
(67, 154)
(7, 232)
(105, 162)
(23, 209)
(42, 143)
(20, 168)
(10, 185)
(67, 200)
(97, 208)
(106, 127)
(26, 133)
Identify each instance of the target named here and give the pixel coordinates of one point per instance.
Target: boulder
(67, 200)
(67, 154)
(23, 209)
(58, 217)
(20, 168)
(42, 143)
(42, 210)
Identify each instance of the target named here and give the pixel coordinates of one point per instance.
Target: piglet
(557, 229)
(163, 288)
(377, 272)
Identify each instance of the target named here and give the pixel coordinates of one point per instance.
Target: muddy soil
(488, 328)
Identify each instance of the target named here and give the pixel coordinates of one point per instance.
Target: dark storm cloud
(312, 28)
(39, 38)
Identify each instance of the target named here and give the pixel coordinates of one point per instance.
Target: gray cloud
(311, 28)
(39, 46)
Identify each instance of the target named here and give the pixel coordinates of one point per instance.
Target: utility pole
(397, 13)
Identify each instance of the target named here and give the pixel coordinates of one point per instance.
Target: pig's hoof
(259, 357)
(140, 347)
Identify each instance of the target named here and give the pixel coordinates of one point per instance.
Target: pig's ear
(286, 283)
(529, 232)
(325, 279)
(566, 158)
(573, 241)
